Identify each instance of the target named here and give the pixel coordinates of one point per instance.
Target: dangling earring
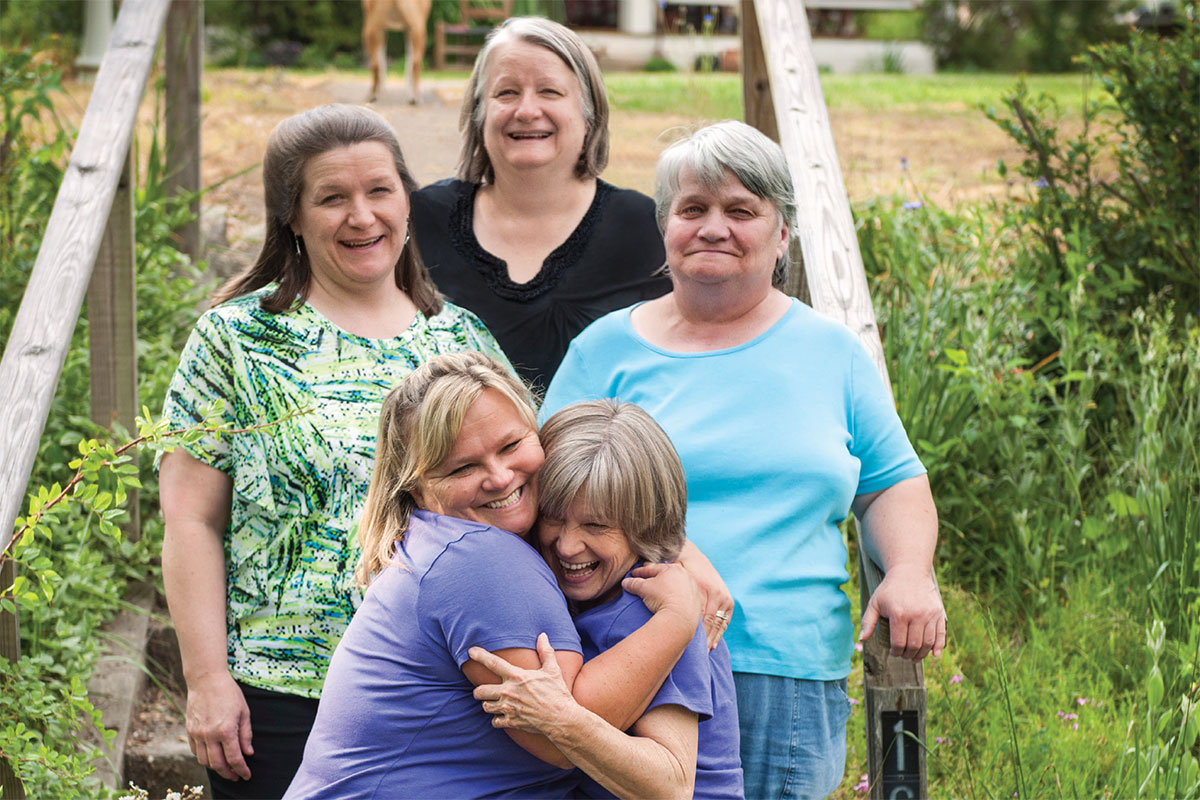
(407, 236)
(296, 241)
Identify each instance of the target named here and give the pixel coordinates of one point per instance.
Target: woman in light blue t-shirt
(783, 426)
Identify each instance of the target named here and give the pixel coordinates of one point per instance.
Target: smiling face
(723, 233)
(588, 555)
(489, 476)
(533, 111)
(353, 217)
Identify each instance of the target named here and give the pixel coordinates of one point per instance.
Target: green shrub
(1120, 198)
(73, 570)
(1012, 35)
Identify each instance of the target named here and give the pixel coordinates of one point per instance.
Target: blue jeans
(793, 735)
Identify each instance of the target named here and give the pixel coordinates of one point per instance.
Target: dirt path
(950, 153)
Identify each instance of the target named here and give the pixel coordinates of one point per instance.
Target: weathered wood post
(112, 326)
(41, 331)
(783, 96)
(183, 57)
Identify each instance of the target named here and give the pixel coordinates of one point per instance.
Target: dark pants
(279, 726)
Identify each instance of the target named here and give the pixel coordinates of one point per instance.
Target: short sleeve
(490, 589)
(571, 384)
(204, 380)
(877, 437)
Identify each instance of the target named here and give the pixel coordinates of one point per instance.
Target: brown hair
(474, 165)
(617, 458)
(290, 146)
(420, 420)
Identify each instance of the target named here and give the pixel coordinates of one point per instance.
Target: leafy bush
(1013, 35)
(1121, 197)
(75, 571)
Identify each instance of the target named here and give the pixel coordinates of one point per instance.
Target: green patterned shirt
(299, 486)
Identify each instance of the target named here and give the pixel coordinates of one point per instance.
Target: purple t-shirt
(397, 718)
(701, 681)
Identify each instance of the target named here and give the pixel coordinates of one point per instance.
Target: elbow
(557, 759)
(685, 789)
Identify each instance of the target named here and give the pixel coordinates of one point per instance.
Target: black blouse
(608, 262)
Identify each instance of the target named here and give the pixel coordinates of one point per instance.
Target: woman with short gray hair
(783, 426)
(528, 236)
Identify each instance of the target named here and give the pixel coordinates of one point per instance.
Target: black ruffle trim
(495, 270)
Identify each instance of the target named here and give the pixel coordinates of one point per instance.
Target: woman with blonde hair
(453, 492)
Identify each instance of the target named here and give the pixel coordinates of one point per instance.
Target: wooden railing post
(42, 328)
(182, 70)
(784, 99)
(112, 325)
(10, 648)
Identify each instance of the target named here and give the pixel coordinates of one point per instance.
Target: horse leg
(416, 56)
(375, 45)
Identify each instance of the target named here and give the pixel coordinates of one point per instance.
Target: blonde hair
(622, 464)
(474, 165)
(418, 425)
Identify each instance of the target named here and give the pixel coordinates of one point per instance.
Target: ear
(784, 238)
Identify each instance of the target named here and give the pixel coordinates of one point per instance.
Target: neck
(699, 320)
(537, 193)
(374, 312)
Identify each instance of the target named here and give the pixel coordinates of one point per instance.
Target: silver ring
(721, 615)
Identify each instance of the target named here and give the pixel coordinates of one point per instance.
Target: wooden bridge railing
(88, 248)
(783, 98)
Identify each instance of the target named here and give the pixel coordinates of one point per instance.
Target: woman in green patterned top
(260, 546)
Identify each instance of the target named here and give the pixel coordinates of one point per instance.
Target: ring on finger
(722, 615)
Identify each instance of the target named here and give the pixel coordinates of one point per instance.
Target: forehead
(490, 418)
(518, 58)
(364, 159)
(723, 187)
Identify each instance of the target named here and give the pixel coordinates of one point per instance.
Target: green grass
(719, 96)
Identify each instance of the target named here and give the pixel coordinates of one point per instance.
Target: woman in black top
(528, 237)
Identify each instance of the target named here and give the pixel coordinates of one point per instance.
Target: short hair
(746, 152)
(418, 425)
(291, 145)
(622, 464)
(474, 165)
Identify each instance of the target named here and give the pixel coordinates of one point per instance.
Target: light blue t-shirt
(701, 682)
(397, 717)
(777, 436)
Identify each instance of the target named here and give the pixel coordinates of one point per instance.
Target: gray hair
(622, 464)
(746, 152)
(474, 165)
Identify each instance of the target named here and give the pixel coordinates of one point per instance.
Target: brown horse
(380, 16)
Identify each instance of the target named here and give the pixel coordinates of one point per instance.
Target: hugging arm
(658, 760)
(617, 685)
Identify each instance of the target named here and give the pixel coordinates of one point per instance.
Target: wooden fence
(783, 98)
(88, 249)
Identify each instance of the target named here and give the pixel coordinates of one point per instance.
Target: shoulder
(441, 194)
(613, 325)
(612, 622)
(631, 199)
(454, 316)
